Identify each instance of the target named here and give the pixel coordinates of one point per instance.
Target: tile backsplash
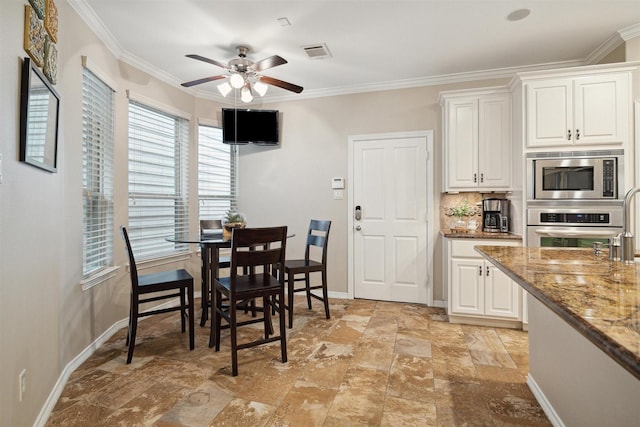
(448, 201)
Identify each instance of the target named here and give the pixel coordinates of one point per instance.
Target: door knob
(358, 228)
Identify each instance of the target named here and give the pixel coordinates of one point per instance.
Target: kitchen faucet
(627, 242)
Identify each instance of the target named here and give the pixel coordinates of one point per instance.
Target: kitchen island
(584, 332)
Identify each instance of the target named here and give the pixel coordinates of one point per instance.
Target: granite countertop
(479, 234)
(597, 297)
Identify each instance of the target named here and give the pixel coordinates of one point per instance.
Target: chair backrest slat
(252, 247)
(318, 236)
(210, 224)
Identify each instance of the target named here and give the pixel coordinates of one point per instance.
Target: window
(97, 173)
(216, 174)
(158, 181)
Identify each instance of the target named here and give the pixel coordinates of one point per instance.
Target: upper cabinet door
(549, 113)
(461, 143)
(601, 109)
(589, 110)
(476, 139)
(494, 142)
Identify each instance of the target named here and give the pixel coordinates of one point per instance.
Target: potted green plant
(461, 211)
(231, 220)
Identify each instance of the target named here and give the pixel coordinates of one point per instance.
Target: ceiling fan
(245, 75)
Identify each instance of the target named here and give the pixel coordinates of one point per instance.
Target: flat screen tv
(243, 126)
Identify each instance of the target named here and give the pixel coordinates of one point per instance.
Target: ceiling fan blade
(205, 80)
(210, 61)
(270, 62)
(282, 84)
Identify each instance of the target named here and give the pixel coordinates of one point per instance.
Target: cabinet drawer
(464, 247)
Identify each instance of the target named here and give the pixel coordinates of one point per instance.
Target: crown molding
(630, 32)
(97, 26)
(421, 82)
(612, 43)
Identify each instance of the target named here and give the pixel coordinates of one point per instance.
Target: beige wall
(617, 55)
(632, 49)
(46, 320)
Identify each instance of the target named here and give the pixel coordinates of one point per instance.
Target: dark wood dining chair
(298, 270)
(253, 251)
(158, 284)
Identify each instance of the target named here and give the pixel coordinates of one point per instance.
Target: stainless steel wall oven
(573, 226)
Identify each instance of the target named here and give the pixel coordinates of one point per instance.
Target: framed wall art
(39, 112)
(38, 7)
(34, 36)
(51, 20)
(50, 67)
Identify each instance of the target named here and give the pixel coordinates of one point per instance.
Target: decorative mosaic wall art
(51, 20)
(50, 67)
(41, 36)
(34, 36)
(38, 7)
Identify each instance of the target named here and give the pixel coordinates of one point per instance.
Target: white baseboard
(553, 416)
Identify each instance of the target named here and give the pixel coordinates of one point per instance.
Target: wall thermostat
(337, 183)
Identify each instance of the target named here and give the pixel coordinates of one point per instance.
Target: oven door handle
(560, 232)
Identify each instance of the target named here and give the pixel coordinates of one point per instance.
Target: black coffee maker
(495, 215)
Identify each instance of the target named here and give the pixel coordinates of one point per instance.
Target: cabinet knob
(479, 270)
(569, 134)
(482, 177)
(475, 177)
(487, 270)
(577, 134)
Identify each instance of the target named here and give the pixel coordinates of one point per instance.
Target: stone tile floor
(373, 363)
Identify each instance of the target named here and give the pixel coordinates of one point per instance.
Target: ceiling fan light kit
(244, 75)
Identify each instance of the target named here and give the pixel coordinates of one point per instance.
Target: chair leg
(133, 326)
(268, 328)
(290, 293)
(234, 337)
(325, 294)
(131, 302)
(192, 320)
(216, 318)
(308, 285)
(183, 309)
(283, 329)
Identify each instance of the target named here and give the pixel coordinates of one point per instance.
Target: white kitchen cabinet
(476, 135)
(478, 292)
(575, 111)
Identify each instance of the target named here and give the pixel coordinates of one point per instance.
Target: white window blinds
(216, 174)
(97, 173)
(158, 184)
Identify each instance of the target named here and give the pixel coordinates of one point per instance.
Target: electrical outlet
(22, 384)
(338, 195)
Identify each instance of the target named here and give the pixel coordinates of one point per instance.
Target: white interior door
(389, 245)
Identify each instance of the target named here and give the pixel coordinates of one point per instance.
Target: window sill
(99, 277)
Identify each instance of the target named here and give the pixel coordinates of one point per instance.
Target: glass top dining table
(210, 245)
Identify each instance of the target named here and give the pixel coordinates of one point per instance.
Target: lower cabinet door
(467, 286)
(502, 295)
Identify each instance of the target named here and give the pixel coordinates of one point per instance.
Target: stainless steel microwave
(592, 178)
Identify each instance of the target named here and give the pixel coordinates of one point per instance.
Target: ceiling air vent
(317, 51)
